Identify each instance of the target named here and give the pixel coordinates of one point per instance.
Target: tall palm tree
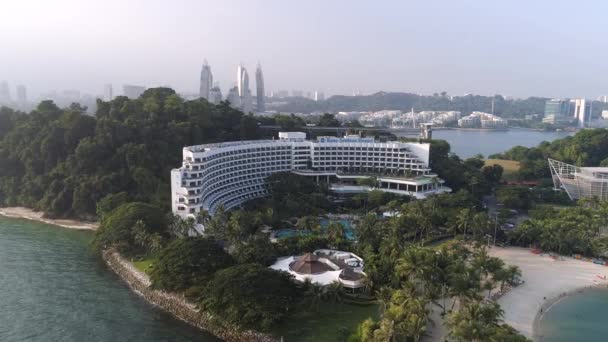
(315, 295)
(463, 219)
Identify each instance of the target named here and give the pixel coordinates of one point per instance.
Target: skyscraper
(21, 96)
(215, 95)
(259, 85)
(582, 111)
(132, 91)
(234, 98)
(108, 95)
(206, 81)
(5, 93)
(242, 80)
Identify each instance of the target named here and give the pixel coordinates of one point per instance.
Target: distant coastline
(29, 214)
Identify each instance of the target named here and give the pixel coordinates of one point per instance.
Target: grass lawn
(328, 324)
(511, 167)
(143, 265)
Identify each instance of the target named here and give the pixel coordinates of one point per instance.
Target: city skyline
(417, 47)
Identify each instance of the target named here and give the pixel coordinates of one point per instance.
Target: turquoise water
(52, 288)
(348, 230)
(469, 143)
(582, 317)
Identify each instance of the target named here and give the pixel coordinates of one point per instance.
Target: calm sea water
(52, 288)
(469, 143)
(581, 317)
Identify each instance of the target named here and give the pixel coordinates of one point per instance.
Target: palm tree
(463, 219)
(315, 295)
(475, 322)
(335, 291)
(384, 295)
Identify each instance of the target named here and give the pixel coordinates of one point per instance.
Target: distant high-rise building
(242, 80)
(582, 111)
(259, 85)
(297, 93)
(206, 81)
(234, 98)
(108, 95)
(243, 89)
(132, 91)
(603, 98)
(215, 95)
(21, 96)
(5, 93)
(558, 111)
(319, 96)
(280, 94)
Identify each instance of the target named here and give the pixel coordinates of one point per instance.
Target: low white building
(325, 266)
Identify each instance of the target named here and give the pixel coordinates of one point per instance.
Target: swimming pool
(287, 232)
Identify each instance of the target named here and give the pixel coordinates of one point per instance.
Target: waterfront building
(259, 85)
(582, 111)
(325, 266)
(482, 120)
(580, 182)
(215, 95)
(107, 92)
(558, 111)
(231, 173)
(206, 81)
(21, 97)
(605, 114)
(132, 91)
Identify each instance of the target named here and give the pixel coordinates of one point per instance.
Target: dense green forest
(588, 147)
(62, 161)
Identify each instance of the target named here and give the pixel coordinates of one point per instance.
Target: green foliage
(587, 148)
(118, 227)
(516, 197)
(64, 162)
(296, 196)
(111, 202)
(256, 249)
(251, 296)
(187, 262)
(328, 120)
(574, 230)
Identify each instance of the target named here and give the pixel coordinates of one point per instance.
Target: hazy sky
(519, 48)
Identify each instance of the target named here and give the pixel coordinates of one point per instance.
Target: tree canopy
(186, 262)
(63, 162)
(251, 295)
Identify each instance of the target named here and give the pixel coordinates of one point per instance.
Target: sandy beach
(546, 282)
(26, 213)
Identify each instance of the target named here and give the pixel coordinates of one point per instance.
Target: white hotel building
(232, 173)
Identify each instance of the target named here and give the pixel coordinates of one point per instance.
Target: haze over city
(519, 48)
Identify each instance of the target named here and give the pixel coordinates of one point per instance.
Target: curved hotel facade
(231, 173)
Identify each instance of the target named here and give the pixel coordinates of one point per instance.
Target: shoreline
(550, 302)
(176, 304)
(547, 282)
(29, 214)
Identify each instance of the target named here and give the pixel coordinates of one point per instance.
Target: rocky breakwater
(176, 304)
